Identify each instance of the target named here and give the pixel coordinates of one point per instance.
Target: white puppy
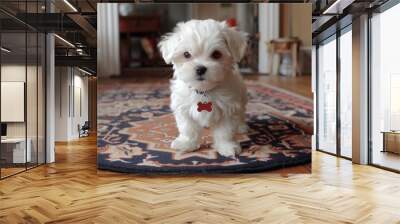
(207, 89)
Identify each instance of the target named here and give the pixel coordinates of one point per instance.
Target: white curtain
(108, 59)
(268, 24)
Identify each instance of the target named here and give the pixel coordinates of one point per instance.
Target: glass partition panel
(22, 77)
(41, 98)
(14, 153)
(31, 98)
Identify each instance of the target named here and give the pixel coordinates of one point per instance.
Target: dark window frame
(341, 27)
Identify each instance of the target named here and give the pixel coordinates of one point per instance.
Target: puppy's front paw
(228, 149)
(183, 144)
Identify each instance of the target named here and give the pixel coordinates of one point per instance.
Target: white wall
(80, 94)
(70, 83)
(12, 73)
(62, 81)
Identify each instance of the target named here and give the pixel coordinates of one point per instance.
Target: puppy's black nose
(200, 70)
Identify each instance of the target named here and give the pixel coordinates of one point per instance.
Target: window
(346, 93)
(385, 89)
(334, 106)
(327, 96)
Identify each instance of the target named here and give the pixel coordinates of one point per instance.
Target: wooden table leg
(294, 59)
(270, 59)
(278, 64)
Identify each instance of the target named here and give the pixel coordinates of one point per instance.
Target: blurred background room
(279, 31)
(135, 123)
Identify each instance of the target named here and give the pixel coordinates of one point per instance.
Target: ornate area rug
(136, 127)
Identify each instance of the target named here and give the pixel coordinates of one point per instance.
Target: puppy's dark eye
(216, 55)
(187, 54)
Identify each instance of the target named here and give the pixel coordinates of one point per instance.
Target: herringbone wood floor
(74, 191)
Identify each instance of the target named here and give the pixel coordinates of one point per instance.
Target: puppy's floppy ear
(168, 44)
(235, 40)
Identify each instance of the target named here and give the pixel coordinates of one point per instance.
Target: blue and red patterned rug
(136, 127)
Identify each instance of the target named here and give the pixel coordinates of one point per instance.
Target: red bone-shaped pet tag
(204, 106)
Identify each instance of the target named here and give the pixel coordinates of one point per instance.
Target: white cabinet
(17, 147)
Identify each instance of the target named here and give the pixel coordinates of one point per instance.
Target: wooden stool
(282, 46)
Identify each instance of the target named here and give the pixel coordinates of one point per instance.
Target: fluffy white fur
(222, 83)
